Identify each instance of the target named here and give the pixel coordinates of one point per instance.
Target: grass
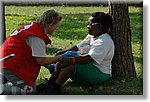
(71, 31)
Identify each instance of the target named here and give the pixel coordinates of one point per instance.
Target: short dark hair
(104, 19)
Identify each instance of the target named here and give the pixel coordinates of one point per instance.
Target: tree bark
(122, 63)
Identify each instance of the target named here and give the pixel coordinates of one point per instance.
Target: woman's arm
(48, 60)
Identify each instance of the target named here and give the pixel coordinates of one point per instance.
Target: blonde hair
(48, 17)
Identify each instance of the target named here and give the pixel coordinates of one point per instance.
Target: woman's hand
(60, 52)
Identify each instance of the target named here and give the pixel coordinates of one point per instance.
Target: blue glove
(69, 53)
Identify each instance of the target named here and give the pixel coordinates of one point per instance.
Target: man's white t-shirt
(101, 50)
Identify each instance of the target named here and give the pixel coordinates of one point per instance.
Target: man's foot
(54, 89)
(51, 79)
(42, 88)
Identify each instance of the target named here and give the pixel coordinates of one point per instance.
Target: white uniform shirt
(101, 50)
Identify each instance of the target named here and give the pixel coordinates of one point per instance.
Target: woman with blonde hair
(28, 44)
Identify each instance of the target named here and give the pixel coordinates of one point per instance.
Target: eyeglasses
(92, 24)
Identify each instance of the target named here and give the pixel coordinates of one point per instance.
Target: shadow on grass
(26, 18)
(73, 26)
(136, 24)
(115, 86)
(138, 59)
(52, 50)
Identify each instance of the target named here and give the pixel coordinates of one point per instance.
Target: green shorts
(88, 74)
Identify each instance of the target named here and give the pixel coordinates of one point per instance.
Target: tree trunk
(122, 63)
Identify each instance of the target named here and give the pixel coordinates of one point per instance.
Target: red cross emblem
(28, 88)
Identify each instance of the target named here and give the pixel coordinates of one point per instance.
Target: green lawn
(71, 31)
